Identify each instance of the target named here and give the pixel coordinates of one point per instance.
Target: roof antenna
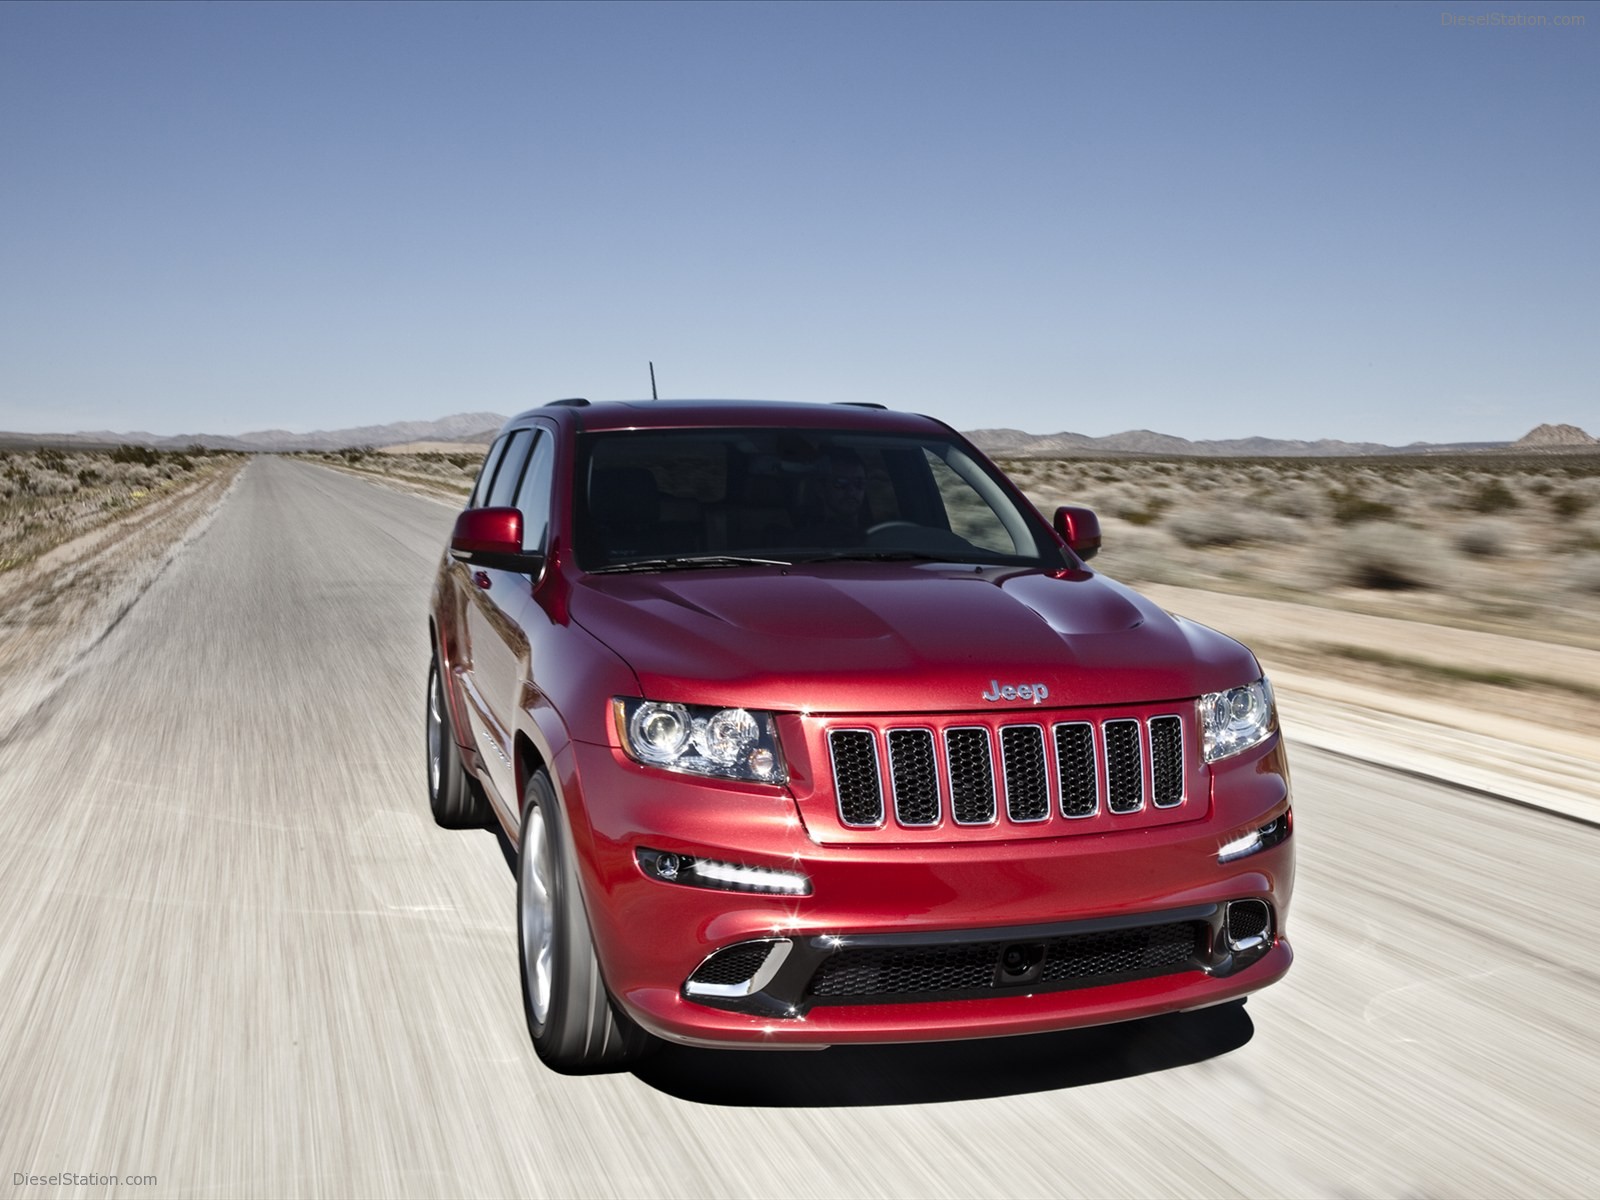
(653, 395)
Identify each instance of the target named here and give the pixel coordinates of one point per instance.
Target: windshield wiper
(689, 563)
(878, 556)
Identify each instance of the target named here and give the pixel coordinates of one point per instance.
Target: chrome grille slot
(855, 777)
(1077, 769)
(1124, 767)
(1166, 761)
(914, 777)
(1027, 788)
(971, 774)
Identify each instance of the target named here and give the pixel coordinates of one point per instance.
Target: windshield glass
(660, 499)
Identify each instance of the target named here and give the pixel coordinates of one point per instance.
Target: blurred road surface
(240, 958)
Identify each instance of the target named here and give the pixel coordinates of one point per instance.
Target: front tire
(575, 1025)
(456, 804)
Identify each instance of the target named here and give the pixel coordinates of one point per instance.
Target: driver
(834, 510)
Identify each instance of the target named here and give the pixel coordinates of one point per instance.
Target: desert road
(239, 959)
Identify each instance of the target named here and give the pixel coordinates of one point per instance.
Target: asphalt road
(238, 956)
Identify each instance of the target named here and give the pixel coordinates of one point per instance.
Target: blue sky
(1350, 221)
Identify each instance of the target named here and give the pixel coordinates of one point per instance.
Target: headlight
(732, 743)
(1237, 719)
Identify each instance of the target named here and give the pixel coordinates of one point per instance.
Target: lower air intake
(909, 973)
(1249, 924)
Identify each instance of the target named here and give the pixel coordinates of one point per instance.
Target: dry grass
(1509, 543)
(445, 473)
(49, 497)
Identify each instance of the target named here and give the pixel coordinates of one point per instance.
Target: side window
(533, 497)
(486, 474)
(504, 488)
(970, 514)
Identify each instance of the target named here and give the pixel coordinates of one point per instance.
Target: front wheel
(576, 1027)
(456, 804)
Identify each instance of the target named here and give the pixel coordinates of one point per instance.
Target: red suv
(809, 729)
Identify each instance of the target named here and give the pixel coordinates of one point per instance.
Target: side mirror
(1079, 529)
(492, 537)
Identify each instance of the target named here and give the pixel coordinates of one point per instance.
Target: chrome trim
(779, 951)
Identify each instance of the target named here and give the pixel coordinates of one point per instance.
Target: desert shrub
(88, 476)
(50, 459)
(1392, 557)
(1487, 539)
(1148, 514)
(1139, 554)
(133, 475)
(141, 455)
(180, 462)
(1294, 500)
(1226, 525)
(1351, 508)
(1569, 504)
(1490, 497)
(53, 483)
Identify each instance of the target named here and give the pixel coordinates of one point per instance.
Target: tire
(456, 804)
(575, 1025)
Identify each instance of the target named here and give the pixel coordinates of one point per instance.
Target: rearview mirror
(492, 537)
(1079, 529)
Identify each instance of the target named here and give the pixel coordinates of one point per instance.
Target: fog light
(722, 876)
(1270, 834)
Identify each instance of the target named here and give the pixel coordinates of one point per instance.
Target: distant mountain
(479, 429)
(1143, 441)
(469, 428)
(1543, 436)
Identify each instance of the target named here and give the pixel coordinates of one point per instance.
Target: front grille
(934, 972)
(1075, 768)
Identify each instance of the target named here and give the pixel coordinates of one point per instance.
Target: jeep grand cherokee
(809, 729)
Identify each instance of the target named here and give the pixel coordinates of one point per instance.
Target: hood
(892, 637)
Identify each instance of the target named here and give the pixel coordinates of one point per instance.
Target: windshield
(681, 498)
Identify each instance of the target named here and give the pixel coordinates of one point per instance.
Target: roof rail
(862, 404)
(569, 402)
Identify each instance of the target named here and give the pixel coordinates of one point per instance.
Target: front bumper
(898, 904)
